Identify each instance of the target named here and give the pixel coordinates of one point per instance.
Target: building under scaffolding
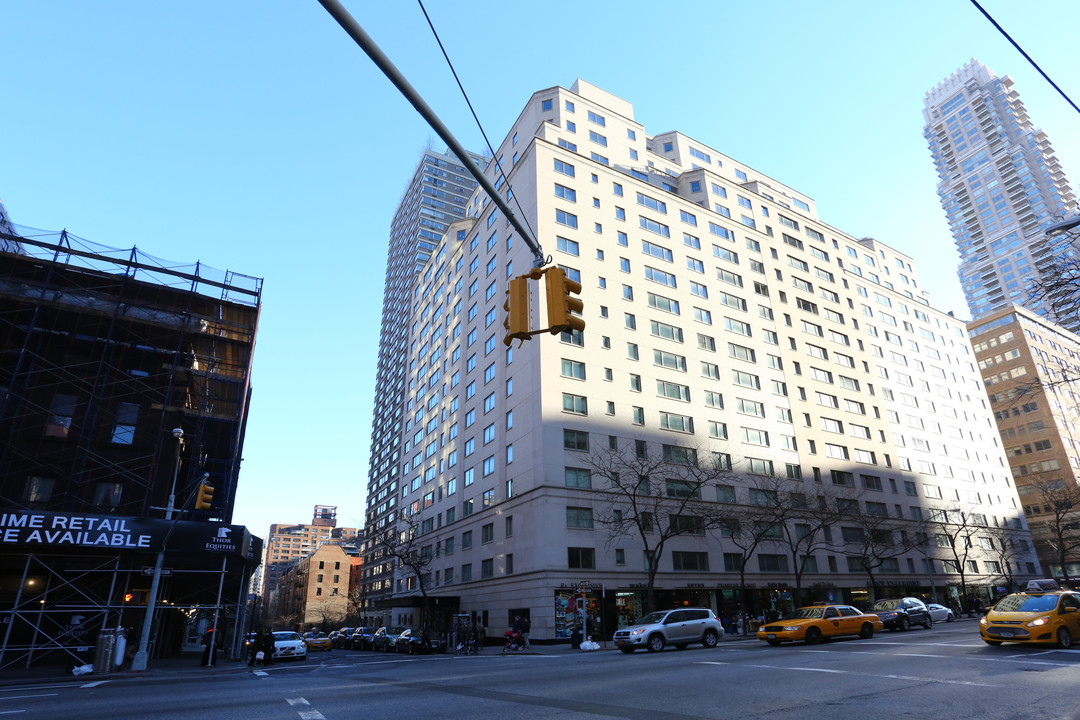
(103, 354)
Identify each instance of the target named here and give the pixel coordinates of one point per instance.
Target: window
(575, 404)
(653, 226)
(561, 191)
(581, 558)
(567, 246)
(564, 168)
(564, 218)
(693, 561)
(669, 360)
(576, 440)
(573, 369)
(579, 517)
(127, 415)
(598, 119)
(578, 477)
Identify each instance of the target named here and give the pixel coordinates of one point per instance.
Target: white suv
(671, 627)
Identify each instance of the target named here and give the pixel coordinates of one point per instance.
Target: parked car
(1043, 614)
(288, 644)
(902, 613)
(815, 623)
(342, 638)
(940, 613)
(412, 642)
(317, 641)
(385, 637)
(671, 627)
(361, 638)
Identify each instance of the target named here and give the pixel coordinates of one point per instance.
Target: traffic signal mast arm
(357, 33)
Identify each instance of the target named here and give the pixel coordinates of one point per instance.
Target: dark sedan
(414, 642)
(902, 613)
(385, 638)
(361, 638)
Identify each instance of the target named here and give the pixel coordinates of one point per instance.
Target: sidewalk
(189, 664)
(184, 665)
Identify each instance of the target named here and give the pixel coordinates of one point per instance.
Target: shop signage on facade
(22, 528)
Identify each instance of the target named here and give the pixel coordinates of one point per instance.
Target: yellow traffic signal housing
(560, 304)
(205, 496)
(517, 310)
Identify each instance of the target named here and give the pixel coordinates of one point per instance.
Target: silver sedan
(940, 613)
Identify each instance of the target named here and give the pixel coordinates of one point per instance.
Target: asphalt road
(946, 672)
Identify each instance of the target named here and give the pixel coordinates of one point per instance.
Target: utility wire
(498, 165)
(1026, 56)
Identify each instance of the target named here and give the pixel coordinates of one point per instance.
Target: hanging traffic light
(205, 496)
(560, 304)
(517, 310)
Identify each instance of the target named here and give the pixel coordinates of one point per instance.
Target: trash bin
(104, 652)
(575, 639)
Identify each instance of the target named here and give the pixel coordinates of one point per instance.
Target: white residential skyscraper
(1000, 186)
(727, 327)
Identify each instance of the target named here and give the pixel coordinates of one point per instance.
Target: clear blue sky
(257, 137)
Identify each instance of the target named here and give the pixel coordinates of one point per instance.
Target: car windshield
(1027, 603)
(395, 630)
(653, 617)
(286, 636)
(886, 604)
(806, 613)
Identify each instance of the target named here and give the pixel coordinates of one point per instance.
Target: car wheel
(1064, 638)
(710, 638)
(813, 636)
(656, 642)
(412, 651)
(949, 618)
(866, 631)
(773, 642)
(928, 622)
(905, 624)
(995, 643)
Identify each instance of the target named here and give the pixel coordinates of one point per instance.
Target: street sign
(149, 571)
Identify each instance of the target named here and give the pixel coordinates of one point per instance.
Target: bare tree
(1058, 527)
(798, 520)
(873, 539)
(746, 528)
(953, 529)
(655, 497)
(1059, 284)
(327, 613)
(411, 552)
(1006, 549)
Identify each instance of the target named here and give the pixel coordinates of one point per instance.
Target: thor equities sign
(63, 530)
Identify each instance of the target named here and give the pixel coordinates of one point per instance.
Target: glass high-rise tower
(1000, 186)
(435, 198)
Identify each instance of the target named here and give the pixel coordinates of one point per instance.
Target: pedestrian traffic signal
(560, 304)
(204, 497)
(517, 310)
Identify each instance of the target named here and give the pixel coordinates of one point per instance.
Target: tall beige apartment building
(724, 320)
(1029, 366)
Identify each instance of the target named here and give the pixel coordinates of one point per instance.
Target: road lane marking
(261, 673)
(979, 658)
(311, 715)
(20, 697)
(94, 684)
(856, 673)
(11, 712)
(297, 701)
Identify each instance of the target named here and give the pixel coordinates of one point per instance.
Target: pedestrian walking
(526, 625)
(258, 650)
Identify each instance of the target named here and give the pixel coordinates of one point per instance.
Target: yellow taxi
(1043, 613)
(815, 623)
(317, 641)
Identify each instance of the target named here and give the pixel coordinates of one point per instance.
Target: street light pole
(139, 661)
